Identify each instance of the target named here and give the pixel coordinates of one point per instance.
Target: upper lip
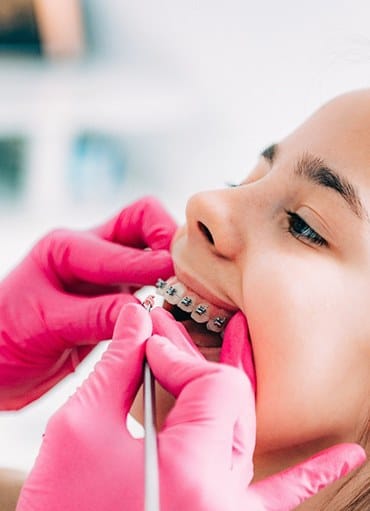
(202, 291)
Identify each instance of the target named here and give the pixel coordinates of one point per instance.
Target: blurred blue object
(98, 168)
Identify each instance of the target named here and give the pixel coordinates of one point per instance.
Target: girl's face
(290, 247)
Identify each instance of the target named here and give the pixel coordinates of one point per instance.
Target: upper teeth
(161, 285)
(175, 293)
(186, 301)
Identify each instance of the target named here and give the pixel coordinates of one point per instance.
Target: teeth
(201, 313)
(187, 303)
(217, 324)
(176, 293)
(161, 286)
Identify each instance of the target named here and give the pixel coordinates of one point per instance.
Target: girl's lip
(202, 291)
(201, 337)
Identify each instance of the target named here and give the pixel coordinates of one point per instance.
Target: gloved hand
(89, 461)
(65, 296)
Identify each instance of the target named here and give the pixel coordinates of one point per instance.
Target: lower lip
(201, 337)
(209, 344)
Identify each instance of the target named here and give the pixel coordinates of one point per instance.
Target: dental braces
(198, 312)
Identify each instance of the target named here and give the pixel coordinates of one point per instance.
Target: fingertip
(158, 343)
(133, 319)
(157, 263)
(114, 304)
(166, 362)
(172, 365)
(162, 353)
(361, 453)
(160, 311)
(166, 325)
(136, 310)
(352, 455)
(163, 321)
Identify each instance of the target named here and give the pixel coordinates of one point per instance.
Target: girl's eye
(297, 226)
(231, 185)
(300, 229)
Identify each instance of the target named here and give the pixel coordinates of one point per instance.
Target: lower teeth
(215, 326)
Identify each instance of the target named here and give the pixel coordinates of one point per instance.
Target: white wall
(194, 89)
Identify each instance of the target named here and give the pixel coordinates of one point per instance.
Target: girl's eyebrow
(315, 170)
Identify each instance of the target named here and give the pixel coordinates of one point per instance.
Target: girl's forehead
(348, 115)
(339, 133)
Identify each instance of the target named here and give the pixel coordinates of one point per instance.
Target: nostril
(206, 232)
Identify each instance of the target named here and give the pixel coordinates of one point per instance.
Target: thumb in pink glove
(65, 296)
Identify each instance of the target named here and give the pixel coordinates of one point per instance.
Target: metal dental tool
(150, 439)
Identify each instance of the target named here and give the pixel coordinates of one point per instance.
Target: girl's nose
(212, 217)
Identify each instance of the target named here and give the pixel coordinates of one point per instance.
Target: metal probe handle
(151, 476)
(150, 443)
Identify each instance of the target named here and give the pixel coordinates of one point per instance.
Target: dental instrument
(152, 498)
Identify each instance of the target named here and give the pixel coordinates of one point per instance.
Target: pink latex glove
(89, 461)
(65, 296)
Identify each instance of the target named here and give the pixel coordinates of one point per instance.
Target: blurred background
(103, 102)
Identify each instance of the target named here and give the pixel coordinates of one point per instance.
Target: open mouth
(204, 321)
(205, 324)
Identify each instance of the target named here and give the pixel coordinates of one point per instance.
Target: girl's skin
(11, 482)
(303, 284)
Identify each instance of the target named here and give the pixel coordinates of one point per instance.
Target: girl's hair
(359, 499)
(354, 494)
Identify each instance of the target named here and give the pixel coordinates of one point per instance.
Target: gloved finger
(211, 398)
(116, 378)
(83, 288)
(237, 352)
(237, 347)
(83, 256)
(16, 398)
(85, 320)
(164, 324)
(288, 489)
(145, 223)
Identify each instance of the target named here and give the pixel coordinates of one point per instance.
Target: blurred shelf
(97, 96)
